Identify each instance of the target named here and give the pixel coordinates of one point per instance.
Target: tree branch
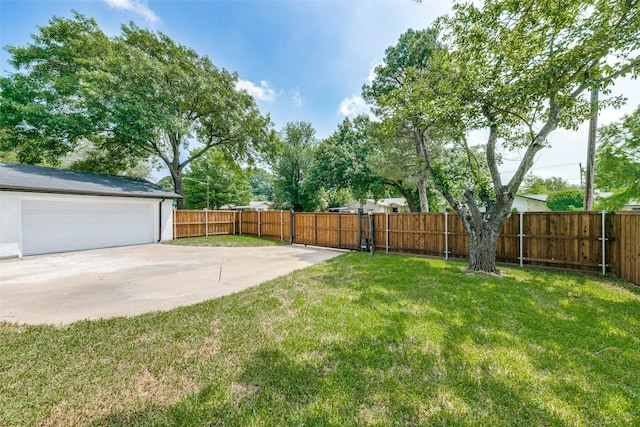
(491, 149)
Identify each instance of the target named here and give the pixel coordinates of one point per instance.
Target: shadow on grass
(406, 341)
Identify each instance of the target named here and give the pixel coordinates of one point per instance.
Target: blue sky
(302, 60)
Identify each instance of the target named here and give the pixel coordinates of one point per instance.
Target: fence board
(275, 225)
(202, 223)
(565, 240)
(349, 233)
(624, 247)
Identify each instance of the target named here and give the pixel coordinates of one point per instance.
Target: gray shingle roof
(21, 177)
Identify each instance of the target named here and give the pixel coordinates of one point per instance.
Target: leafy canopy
(518, 69)
(261, 182)
(618, 161)
(133, 96)
(341, 161)
(406, 130)
(534, 184)
(566, 200)
(227, 182)
(293, 187)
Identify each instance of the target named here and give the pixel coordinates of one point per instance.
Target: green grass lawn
(226, 240)
(359, 340)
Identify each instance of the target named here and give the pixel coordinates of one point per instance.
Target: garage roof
(21, 177)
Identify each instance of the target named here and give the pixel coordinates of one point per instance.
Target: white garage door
(67, 226)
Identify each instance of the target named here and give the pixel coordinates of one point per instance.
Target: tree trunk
(178, 187)
(482, 247)
(412, 205)
(591, 152)
(422, 193)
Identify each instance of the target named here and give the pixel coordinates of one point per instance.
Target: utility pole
(591, 151)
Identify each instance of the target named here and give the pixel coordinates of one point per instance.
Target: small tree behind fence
(584, 241)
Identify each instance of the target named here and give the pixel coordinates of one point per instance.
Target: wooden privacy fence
(585, 241)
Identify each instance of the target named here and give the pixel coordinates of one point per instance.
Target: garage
(55, 226)
(47, 210)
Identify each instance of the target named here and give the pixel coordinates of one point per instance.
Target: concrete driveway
(62, 288)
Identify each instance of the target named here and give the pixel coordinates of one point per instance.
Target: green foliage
(565, 200)
(407, 131)
(534, 184)
(519, 70)
(410, 54)
(8, 156)
(618, 161)
(42, 116)
(134, 96)
(227, 182)
(293, 187)
(338, 198)
(341, 162)
(166, 182)
(261, 183)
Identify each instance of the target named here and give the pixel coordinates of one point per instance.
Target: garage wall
(10, 225)
(167, 220)
(12, 204)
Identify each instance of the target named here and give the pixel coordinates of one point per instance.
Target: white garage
(46, 210)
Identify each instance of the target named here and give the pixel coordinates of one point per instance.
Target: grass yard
(359, 340)
(226, 240)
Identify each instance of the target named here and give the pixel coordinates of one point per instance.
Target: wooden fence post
(206, 222)
(339, 232)
(259, 224)
(292, 227)
(234, 222)
(175, 226)
(241, 223)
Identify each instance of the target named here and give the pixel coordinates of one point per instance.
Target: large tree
(133, 96)
(341, 161)
(217, 173)
(618, 161)
(293, 187)
(403, 122)
(520, 70)
(261, 182)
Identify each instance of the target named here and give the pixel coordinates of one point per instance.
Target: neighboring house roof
(21, 177)
(371, 204)
(398, 201)
(538, 197)
(251, 205)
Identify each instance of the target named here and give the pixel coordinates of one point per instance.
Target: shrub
(565, 200)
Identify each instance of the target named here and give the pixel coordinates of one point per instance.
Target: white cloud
(372, 72)
(262, 92)
(297, 98)
(136, 6)
(354, 106)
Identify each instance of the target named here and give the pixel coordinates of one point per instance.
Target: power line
(546, 167)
